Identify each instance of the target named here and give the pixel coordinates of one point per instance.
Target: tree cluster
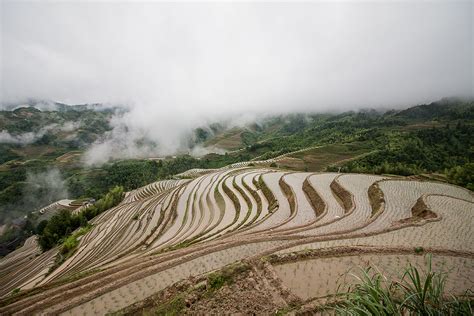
(55, 230)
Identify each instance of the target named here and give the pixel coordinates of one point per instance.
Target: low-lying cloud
(44, 188)
(138, 134)
(180, 65)
(31, 137)
(40, 189)
(25, 138)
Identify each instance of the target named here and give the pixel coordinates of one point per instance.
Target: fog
(178, 66)
(43, 188)
(31, 137)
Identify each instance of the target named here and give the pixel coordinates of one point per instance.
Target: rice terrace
(236, 158)
(308, 228)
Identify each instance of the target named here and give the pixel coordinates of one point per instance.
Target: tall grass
(417, 293)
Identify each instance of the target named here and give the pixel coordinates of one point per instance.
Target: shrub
(419, 250)
(172, 307)
(41, 226)
(418, 293)
(69, 244)
(462, 175)
(216, 280)
(58, 226)
(15, 291)
(61, 225)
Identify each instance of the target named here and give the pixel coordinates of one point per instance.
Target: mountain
(445, 109)
(265, 207)
(41, 151)
(50, 106)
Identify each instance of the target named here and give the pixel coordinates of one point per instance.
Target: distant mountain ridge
(48, 105)
(447, 108)
(431, 140)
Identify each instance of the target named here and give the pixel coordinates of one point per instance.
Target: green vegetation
(417, 293)
(432, 138)
(69, 245)
(432, 141)
(15, 291)
(59, 227)
(226, 139)
(423, 151)
(419, 250)
(134, 173)
(42, 141)
(319, 158)
(112, 198)
(427, 139)
(217, 280)
(173, 307)
(462, 175)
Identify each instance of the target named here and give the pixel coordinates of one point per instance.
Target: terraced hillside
(311, 227)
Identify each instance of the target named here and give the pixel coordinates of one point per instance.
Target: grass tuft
(15, 291)
(419, 250)
(417, 293)
(173, 307)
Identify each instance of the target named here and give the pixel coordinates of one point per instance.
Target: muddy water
(401, 195)
(321, 183)
(358, 185)
(317, 278)
(304, 212)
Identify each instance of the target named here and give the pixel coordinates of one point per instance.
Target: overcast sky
(184, 62)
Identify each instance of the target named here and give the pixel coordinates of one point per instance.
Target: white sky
(208, 57)
(177, 64)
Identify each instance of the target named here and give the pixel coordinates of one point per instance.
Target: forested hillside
(45, 147)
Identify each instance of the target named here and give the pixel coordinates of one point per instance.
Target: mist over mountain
(245, 157)
(176, 67)
(107, 132)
